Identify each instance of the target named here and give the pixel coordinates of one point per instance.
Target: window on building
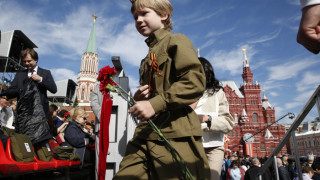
(236, 134)
(230, 133)
(235, 117)
(255, 117)
(270, 119)
(82, 94)
(262, 147)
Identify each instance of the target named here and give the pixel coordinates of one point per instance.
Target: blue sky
(266, 28)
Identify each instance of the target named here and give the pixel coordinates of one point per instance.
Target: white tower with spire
(87, 77)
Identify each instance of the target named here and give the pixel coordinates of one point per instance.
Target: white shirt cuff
(86, 141)
(305, 3)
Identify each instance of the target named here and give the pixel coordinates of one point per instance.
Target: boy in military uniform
(171, 78)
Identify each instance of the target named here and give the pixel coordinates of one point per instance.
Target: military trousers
(149, 159)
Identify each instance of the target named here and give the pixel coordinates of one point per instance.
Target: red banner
(106, 109)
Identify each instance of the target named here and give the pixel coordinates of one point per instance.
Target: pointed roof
(265, 101)
(245, 59)
(244, 116)
(244, 113)
(91, 46)
(268, 134)
(233, 86)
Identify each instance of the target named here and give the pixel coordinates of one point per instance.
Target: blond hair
(161, 7)
(78, 112)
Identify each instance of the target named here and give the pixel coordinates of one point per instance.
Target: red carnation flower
(105, 77)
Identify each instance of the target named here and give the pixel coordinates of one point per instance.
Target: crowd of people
(237, 167)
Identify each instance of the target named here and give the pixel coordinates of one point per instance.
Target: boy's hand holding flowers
(142, 93)
(143, 110)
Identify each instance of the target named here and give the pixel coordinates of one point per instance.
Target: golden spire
(246, 61)
(94, 17)
(264, 94)
(198, 52)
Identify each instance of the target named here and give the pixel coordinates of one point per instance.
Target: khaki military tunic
(179, 82)
(177, 79)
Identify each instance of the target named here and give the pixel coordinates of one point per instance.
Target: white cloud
(207, 44)
(66, 38)
(231, 61)
(293, 2)
(273, 85)
(62, 74)
(200, 15)
(124, 4)
(291, 105)
(310, 80)
(291, 22)
(278, 112)
(274, 94)
(300, 100)
(128, 44)
(134, 83)
(219, 33)
(289, 69)
(265, 38)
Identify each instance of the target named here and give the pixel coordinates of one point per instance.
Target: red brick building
(251, 114)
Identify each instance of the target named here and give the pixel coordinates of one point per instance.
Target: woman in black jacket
(77, 134)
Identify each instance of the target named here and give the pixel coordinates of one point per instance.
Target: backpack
(65, 153)
(44, 151)
(21, 145)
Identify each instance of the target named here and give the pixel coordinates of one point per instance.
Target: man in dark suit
(252, 172)
(283, 172)
(30, 86)
(42, 76)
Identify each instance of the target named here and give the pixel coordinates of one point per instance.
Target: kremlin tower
(87, 77)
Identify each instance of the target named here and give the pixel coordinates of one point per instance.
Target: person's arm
(48, 82)
(95, 102)
(224, 122)
(309, 29)
(13, 90)
(62, 127)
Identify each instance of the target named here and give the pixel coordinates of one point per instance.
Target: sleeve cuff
(86, 141)
(305, 3)
(158, 104)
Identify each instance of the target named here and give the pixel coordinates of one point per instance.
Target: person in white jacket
(216, 121)
(309, 29)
